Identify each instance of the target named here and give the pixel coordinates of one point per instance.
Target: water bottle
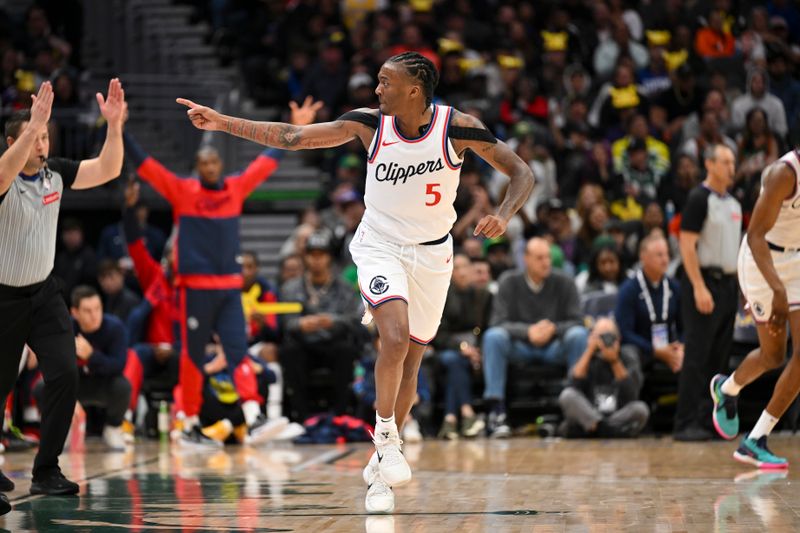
(163, 421)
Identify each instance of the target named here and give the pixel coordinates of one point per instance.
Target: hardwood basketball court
(518, 485)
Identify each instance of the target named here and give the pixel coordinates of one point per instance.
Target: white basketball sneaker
(371, 469)
(392, 464)
(380, 498)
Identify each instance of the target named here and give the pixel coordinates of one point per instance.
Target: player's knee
(394, 342)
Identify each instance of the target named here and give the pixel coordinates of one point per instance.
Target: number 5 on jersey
(431, 191)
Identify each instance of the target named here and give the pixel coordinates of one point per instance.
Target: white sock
(730, 387)
(382, 425)
(275, 391)
(764, 425)
(251, 411)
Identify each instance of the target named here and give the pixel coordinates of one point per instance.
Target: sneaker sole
(60, 492)
(746, 459)
(378, 511)
(268, 433)
(714, 413)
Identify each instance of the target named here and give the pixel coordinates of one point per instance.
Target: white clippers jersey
(411, 183)
(786, 231)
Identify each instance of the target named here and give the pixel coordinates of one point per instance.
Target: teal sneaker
(755, 452)
(726, 419)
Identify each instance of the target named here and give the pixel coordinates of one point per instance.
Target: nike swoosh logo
(380, 457)
(389, 144)
(449, 258)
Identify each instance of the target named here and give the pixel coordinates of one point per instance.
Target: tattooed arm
(279, 134)
(467, 132)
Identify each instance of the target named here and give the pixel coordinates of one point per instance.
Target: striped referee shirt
(28, 222)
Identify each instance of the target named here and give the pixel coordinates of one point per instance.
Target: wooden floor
(518, 485)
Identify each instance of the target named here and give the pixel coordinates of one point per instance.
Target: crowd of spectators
(613, 104)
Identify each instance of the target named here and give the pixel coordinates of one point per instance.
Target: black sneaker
(194, 438)
(5, 505)
(498, 427)
(54, 484)
(15, 441)
(6, 485)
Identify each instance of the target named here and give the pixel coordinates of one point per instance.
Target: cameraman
(601, 398)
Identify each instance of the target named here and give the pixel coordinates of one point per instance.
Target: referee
(711, 229)
(32, 310)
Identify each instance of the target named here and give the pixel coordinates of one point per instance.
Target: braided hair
(421, 69)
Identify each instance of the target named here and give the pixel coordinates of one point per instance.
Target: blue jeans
(499, 348)
(458, 386)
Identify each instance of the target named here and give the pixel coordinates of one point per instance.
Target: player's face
(394, 88)
(209, 168)
(89, 314)
(40, 149)
(249, 269)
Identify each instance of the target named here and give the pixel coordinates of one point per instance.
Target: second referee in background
(32, 309)
(711, 229)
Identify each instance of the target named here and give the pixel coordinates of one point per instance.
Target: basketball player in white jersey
(402, 248)
(769, 275)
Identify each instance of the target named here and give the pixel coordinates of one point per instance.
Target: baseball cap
(319, 240)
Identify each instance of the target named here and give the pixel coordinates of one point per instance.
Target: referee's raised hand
(42, 105)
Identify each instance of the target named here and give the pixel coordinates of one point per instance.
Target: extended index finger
(187, 103)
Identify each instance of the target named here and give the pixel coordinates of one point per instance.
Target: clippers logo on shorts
(758, 309)
(378, 285)
(50, 198)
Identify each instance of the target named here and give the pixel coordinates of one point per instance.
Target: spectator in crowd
(325, 334)
(657, 151)
(76, 263)
(482, 275)
(620, 44)
(535, 318)
(605, 273)
(716, 102)
(601, 399)
(648, 309)
(152, 324)
(559, 225)
(715, 40)
(591, 228)
(497, 252)
(757, 148)
(784, 85)
(101, 343)
(118, 300)
(457, 344)
(263, 333)
(675, 188)
(112, 244)
(678, 102)
(758, 95)
(709, 134)
(327, 78)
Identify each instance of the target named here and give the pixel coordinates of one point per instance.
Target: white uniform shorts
(417, 274)
(756, 289)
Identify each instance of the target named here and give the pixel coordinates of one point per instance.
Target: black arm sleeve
(66, 167)
(695, 211)
(471, 134)
(367, 119)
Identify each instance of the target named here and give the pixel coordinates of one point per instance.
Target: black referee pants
(707, 340)
(37, 316)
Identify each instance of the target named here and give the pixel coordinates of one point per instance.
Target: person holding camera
(601, 398)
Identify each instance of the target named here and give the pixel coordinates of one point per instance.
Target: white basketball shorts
(417, 274)
(756, 289)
